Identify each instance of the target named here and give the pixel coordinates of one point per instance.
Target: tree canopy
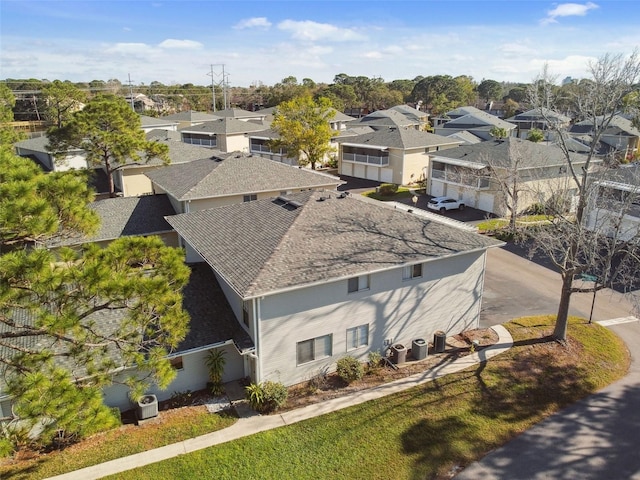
(573, 248)
(71, 319)
(61, 100)
(304, 130)
(110, 134)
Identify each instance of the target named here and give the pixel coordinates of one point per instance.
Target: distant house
(541, 119)
(463, 172)
(314, 276)
(152, 123)
(189, 118)
(619, 137)
(36, 149)
(233, 178)
(383, 119)
(472, 120)
(240, 114)
(393, 155)
(615, 210)
(225, 134)
(412, 114)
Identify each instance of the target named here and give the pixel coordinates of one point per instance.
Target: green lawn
(426, 431)
(402, 192)
(173, 426)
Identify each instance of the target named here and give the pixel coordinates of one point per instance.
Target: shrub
(349, 369)
(317, 382)
(375, 359)
(267, 396)
(215, 364)
(388, 189)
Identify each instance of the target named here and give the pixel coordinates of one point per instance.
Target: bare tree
(575, 247)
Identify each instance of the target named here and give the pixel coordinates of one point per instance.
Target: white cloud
(568, 10)
(173, 43)
(374, 55)
(259, 22)
(130, 49)
(314, 31)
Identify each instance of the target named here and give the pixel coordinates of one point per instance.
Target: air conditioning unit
(147, 407)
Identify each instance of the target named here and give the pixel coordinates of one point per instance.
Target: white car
(441, 204)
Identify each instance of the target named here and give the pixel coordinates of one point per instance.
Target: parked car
(441, 204)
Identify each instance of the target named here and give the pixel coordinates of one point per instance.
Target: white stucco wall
(447, 297)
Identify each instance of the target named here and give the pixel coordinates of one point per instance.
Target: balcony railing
(256, 148)
(207, 142)
(378, 160)
(470, 180)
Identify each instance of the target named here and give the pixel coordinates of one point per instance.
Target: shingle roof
(179, 152)
(148, 121)
(161, 134)
(479, 119)
(190, 116)
(410, 112)
(466, 137)
(123, 217)
(505, 152)
(268, 245)
(236, 174)
(225, 126)
(403, 138)
(238, 113)
(538, 114)
(37, 144)
(386, 118)
(618, 122)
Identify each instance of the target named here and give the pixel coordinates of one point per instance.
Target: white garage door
(347, 169)
(437, 188)
(485, 202)
(358, 171)
(373, 173)
(386, 175)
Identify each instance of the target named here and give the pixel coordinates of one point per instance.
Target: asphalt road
(516, 287)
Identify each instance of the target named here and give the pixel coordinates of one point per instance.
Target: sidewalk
(251, 422)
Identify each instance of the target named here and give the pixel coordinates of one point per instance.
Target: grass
(493, 224)
(402, 192)
(427, 431)
(172, 426)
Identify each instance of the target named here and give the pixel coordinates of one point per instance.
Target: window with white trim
(250, 198)
(357, 284)
(357, 337)
(412, 271)
(314, 349)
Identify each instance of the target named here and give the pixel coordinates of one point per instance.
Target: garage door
(347, 169)
(437, 188)
(373, 173)
(386, 175)
(358, 171)
(485, 202)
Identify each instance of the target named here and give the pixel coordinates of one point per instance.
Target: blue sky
(266, 41)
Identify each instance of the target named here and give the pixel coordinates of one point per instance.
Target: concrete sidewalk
(250, 422)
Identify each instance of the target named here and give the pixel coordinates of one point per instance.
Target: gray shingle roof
(479, 119)
(511, 149)
(264, 246)
(236, 174)
(619, 124)
(538, 114)
(190, 116)
(124, 216)
(238, 113)
(403, 138)
(148, 121)
(225, 126)
(386, 118)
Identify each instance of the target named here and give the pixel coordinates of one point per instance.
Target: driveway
(594, 439)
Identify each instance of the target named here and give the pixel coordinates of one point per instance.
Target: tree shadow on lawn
(514, 395)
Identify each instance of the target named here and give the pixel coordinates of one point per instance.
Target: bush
(349, 369)
(375, 359)
(535, 209)
(388, 189)
(267, 396)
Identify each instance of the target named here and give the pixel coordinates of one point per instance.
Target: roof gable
(403, 138)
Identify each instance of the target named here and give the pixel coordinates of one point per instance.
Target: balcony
(378, 160)
(207, 142)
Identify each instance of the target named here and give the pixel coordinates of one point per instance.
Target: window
(250, 198)
(176, 363)
(412, 271)
(357, 284)
(357, 337)
(314, 349)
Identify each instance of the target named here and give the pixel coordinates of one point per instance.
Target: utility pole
(131, 94)
(213, 90)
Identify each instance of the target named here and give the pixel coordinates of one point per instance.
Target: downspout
(256, 333)
(484, 273)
